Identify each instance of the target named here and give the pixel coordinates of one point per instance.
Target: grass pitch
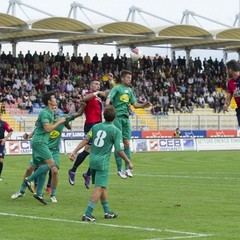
(173, 195)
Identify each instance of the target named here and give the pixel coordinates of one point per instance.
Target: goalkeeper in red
(103, 136)
(121, 97)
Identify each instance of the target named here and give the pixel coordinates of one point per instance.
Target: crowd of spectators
(169, 84)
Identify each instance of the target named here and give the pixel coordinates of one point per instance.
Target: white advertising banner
(21, 147)
(164, 144)
(218, 144)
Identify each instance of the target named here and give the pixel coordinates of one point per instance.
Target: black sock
(89, 172)
(36, 179)
(80, 158)
(49, 179)
(1, 167)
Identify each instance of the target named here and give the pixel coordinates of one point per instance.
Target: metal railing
(150, 122)
(185, 122)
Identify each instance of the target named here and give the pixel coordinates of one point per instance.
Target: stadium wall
(145, 141)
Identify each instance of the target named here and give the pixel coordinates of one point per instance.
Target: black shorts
(87, 128)
(2, 150)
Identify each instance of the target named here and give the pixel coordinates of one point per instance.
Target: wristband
(95, 93)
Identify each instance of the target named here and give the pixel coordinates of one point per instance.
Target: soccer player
(93, 113)
(121, 96)
(103, 135)
(233, 86)
(4, 126)
(41, 154)
(54, 142)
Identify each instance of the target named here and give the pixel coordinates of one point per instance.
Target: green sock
(23, 187)
(90, 207)
(118, 161)
(127, 152)
(40, 170)
(53, 191)
(41, 180)
(105, 206)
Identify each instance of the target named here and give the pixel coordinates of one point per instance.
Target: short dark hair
(234, 65)
(124, 73)
(47, 97)
(109, 113)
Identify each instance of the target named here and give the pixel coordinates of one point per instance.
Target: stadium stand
(155, 80)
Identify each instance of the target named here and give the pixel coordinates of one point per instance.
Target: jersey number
(99, 140)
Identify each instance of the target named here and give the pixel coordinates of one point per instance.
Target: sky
(223, 11)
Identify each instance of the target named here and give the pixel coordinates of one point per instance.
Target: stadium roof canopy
(124, 34)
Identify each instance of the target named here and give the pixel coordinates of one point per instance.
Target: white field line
(182, 176)
(189, 234)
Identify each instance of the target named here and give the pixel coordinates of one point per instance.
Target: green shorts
(32, 163)
(56, 157)
(40, 153)
(123, 123)
(100, 178)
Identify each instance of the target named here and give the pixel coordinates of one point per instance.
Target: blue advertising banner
(194, 133)
(73, 135)
(136, 134)
(189, 144)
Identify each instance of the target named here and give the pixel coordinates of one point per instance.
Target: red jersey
(4, 126)
(234, 89)
(93, 110)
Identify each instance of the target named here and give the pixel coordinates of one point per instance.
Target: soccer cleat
(122, 174)
(48, 190)
(53, 199)
(40, 199)
(71, 177)
(89, 218)
(128, 172)
(110, 215)
(29, 185)
(17, 195)
(87, 180)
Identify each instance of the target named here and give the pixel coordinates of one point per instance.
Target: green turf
(173, 195)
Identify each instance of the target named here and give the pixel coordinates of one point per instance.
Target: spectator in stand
(142, 98)
(20, 56)
(3, 107)
(165, 107)
(28, 57)
(95, 61)
(73, 58)
(87, 60)
(217, 106)
(210, 101)
(201, 102)
(29, 105)
(167, 62)
(9, 97)
(55, 72)
(189, 106)
(35, 57)
(69, 87)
